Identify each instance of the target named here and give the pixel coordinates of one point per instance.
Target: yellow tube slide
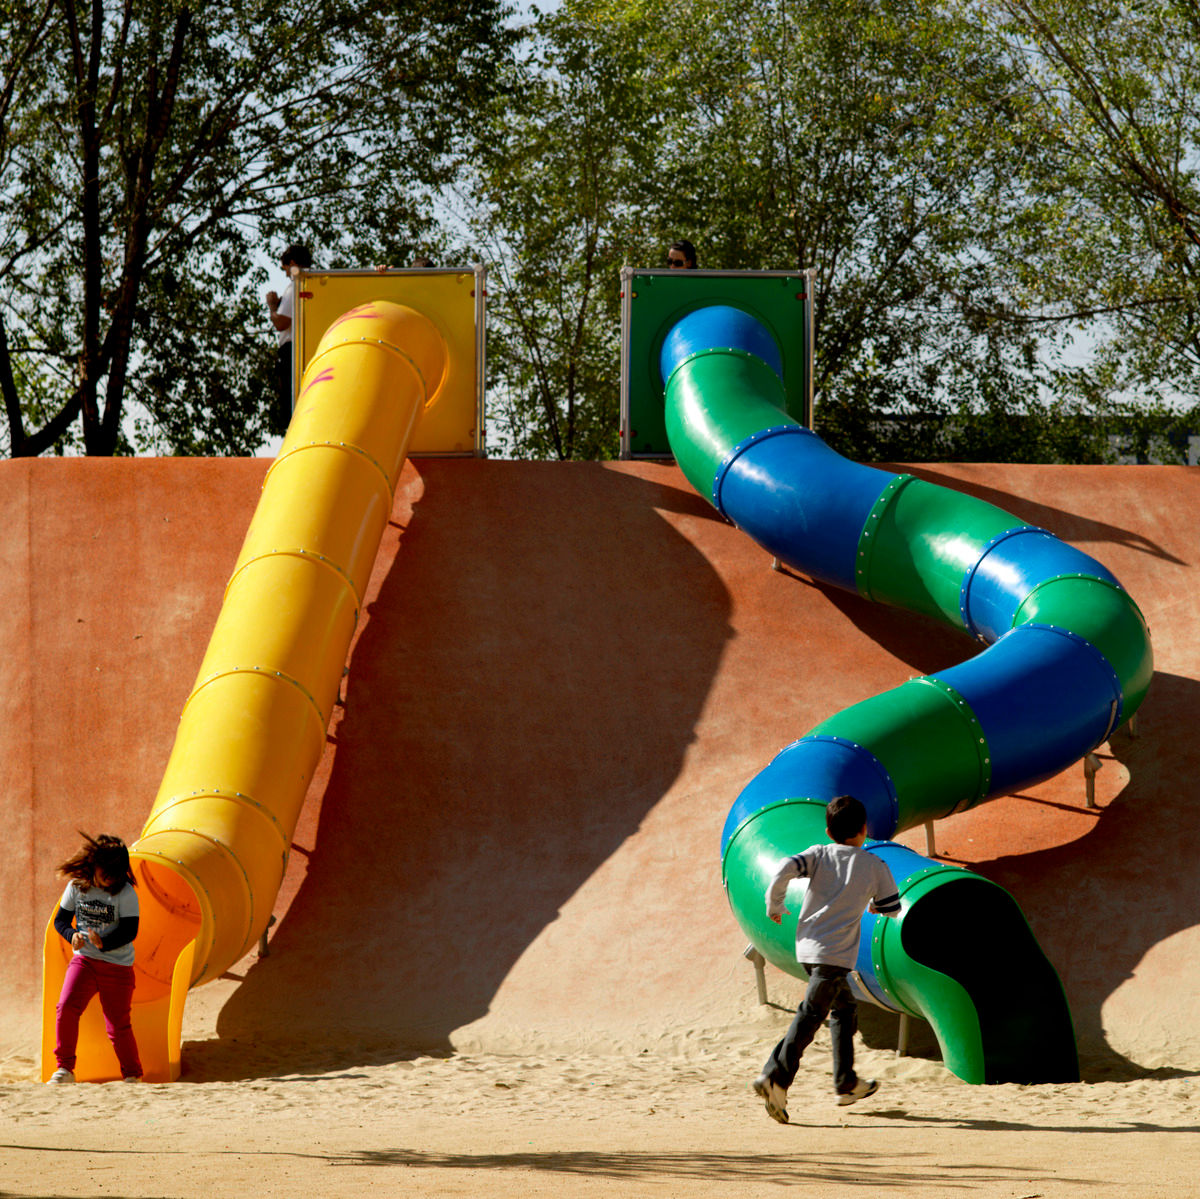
(212, 855)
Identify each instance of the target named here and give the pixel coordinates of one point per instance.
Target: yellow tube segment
(213, 851)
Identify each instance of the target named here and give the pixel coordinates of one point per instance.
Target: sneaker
(862, 1088)
(61, 1075)
(773, 1095)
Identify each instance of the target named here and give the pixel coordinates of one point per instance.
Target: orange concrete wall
(565, 675)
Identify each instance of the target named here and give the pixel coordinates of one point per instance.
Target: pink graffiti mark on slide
(326, 376)
(362, 312)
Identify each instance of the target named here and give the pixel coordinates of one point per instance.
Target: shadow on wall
(1070, 526)
(929, 645)
(523, 694)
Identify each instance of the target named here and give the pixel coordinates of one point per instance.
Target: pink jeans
(85, 978)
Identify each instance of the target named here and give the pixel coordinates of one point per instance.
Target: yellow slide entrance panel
(213, 852)
(453, 300)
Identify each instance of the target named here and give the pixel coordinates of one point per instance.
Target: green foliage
(975, 182)
(149, 151)
(1110, 234)
(558, 179)
(871, 139)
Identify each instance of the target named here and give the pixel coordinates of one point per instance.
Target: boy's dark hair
(104, 853)
(297, 255)
(845, 817)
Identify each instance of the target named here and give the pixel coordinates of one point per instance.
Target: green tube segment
(717, 399)
(796, 822)
(918, 544)
(1105, 615)
(899, 727)
(995, 1003)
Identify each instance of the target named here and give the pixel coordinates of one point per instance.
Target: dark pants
(828, 995)
(281, 409)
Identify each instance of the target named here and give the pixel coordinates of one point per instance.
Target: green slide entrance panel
(653, 301)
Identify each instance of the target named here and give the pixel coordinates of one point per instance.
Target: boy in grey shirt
(843, 880)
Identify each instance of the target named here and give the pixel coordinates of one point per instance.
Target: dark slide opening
(973, 932)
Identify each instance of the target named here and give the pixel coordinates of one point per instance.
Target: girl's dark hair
(105, 853)
(845, 817)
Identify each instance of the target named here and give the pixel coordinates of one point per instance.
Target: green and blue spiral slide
(1067, 659)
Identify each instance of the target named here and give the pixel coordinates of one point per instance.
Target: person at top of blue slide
(681, 255)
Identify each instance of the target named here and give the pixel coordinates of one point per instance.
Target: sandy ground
(672, 1117)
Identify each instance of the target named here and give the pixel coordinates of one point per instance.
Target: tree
(877, 142)
(148, 148)
(560, 175)
(874, 140)
(1111, 236)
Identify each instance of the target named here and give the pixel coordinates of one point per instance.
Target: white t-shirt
(842, 880)
(98, 909)
(286, 305)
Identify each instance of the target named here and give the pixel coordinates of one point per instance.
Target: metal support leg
(775, 564)
(263, 948)
(759, 963)
(1091, 764)
(902, 1036)
(930, 847)
(1133, 726)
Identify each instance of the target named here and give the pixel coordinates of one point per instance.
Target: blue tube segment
(903, 863)
(1012, 566)
(819, 767)
(800, 500)
(1043, 696)
(719, 326)
(900, 860)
